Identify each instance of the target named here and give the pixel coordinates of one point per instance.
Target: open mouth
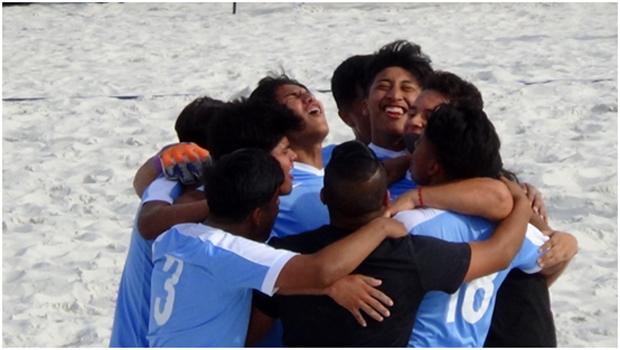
(394, 112)
(314, 111)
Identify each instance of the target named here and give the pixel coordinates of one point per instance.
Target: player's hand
(358, 293)
(536, 201)
(183, 162)
(406, 201)
(388, 226)
(560, 247)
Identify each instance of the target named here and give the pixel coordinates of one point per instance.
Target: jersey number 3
(470, 314)
(162, 316)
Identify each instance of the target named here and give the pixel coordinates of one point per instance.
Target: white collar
(386, 153)
(308, 168)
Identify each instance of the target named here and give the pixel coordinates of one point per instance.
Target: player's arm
(496, 253)
(323, 268)
(158, 216)
(396, 168)
(485, 197)
(145, 175)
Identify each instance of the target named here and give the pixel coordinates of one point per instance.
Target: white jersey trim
(308, 168)
(415, 217)
(386, 153)
(258, 253)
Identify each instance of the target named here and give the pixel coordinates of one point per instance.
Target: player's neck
(392, 143)
(237, 228)
(352, 223)
(311, 155)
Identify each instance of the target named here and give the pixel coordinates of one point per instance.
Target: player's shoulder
(415, 217)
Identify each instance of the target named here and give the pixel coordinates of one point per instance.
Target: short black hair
(267, 86)
(247, 123)
(459, 92)
(465, 142)
(399, 53)
(193, 121)
(355, 181)
(239, 182)
(347, 83)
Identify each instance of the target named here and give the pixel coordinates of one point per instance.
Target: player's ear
(386, 198)
(345, 118)
(256, 216)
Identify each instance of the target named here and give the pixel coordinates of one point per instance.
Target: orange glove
(183, 162)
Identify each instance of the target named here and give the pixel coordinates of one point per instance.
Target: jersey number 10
(470, 314)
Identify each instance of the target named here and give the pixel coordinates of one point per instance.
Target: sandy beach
(92, 90)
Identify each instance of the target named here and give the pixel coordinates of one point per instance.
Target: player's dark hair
(458, 91)
(239, 182)
(465, 142)
(193, 121)
(355, 180)
(267, 86)
(347, 83)
(246, 123)
(400, 53)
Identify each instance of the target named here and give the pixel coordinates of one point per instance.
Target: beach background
(92, 90)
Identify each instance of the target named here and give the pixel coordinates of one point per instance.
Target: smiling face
(391, 94)
(419, 112)
(306, 107)
(283, 153)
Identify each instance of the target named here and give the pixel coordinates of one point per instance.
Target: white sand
(548, 73)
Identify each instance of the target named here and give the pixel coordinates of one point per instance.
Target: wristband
(420, 196)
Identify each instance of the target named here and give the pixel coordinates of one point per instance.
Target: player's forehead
(395, 74)
(429, 99)
(286, 90)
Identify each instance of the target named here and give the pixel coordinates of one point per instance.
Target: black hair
(246, 123)
(347, 83)
(267, 87)
(193, 121)
(355, 180)
(458, 91)
(465, 142)
(399, 53)
(239, 182)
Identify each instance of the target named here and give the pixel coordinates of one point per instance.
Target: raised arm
(323, 268)
(496, 253)
(158, 216)
(145, 175)
(483, 197)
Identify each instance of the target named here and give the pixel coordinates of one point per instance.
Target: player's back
(407, 268)
(462, 319)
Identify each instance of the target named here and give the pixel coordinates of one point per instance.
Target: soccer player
(355, 192)
(132, 304)
(461, 143)
(204, 274)
(522, 314)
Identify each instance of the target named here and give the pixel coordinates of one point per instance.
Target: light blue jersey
(201, 287)
(131, 316)
(401, 186)
(302, 209)
(462, 319)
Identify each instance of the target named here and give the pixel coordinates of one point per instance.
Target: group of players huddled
(413, 234)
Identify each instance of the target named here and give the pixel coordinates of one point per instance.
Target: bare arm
(323, 268)
(396, 168)
(483, 197)
(144, 176)
(157, 216)
(496, 253)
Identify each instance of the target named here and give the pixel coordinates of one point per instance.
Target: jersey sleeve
(242, 263)
(527, 258)
(442, 265)
(162, 189)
